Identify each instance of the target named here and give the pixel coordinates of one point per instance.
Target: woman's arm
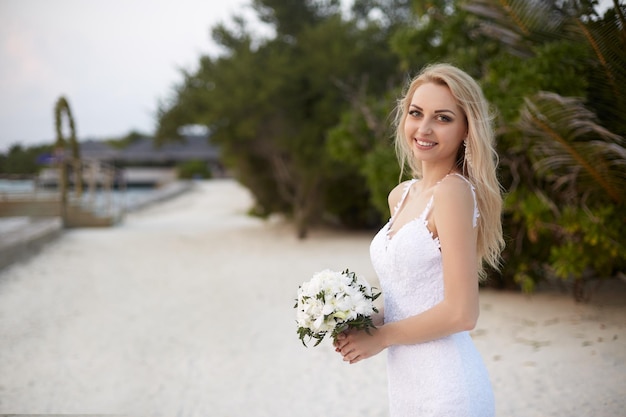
(458, 311)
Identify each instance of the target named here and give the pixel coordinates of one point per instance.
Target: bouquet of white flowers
(333, 302)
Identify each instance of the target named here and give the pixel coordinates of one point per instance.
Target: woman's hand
(356, 345)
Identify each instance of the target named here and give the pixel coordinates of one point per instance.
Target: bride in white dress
(444, 226)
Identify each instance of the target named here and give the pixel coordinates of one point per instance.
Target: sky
(113, 60)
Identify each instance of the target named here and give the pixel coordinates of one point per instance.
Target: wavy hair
(481, 170)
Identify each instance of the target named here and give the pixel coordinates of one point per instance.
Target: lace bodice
(444, 377)
(408, 263)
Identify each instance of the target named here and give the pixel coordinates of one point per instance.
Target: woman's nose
(424, 128)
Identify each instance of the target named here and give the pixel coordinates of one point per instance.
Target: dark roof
(97, 150)
(144, 150)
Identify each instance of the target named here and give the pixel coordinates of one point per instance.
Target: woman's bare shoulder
(455, 192)
(396, 194)
(454, 185)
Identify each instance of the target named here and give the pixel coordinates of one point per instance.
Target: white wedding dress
(441, 378)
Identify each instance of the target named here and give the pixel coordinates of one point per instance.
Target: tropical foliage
(272, 103)
(303, 115)
(563, 136)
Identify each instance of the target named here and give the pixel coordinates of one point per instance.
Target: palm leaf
(519, 24)
(607, 40)
(523, 25)
(571, 150)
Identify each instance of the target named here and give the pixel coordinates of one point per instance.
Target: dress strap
(429, 206)
(407, 187)
(472, 188)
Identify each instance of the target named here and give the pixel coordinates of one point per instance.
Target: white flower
(330, 301)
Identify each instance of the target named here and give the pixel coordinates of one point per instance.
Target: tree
(561, 90)
(270, 106)
(418, 33)
(22, 161)
(303, 117)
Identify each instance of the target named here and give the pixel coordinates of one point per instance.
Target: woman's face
(435, 125)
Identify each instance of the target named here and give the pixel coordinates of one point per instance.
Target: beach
(186, 309)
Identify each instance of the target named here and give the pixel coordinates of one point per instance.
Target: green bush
(193, 170)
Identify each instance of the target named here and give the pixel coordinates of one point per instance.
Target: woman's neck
(431, 175)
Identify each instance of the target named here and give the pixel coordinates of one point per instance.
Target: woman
(429, 257)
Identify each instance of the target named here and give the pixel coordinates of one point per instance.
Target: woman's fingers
(340, 342)
(352, 357)
(348, 351)
(342, 347)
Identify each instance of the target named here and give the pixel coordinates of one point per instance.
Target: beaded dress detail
(441, 378)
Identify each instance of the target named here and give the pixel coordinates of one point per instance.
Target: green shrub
(193, 170)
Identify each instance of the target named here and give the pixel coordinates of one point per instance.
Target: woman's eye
(444, 118)
(415, 113)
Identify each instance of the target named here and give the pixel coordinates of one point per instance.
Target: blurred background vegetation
(302, 116)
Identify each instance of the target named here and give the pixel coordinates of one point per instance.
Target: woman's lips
(423, 143)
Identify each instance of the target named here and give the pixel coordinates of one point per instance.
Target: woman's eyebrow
(436, 111)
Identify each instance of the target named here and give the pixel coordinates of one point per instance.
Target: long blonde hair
(480, 170)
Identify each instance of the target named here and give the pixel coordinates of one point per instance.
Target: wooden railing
(82, 199)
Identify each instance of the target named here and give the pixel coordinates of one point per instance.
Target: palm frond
(569, 148)
(518, 24)
(607, 39)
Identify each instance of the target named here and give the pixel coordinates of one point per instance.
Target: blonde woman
(444, 227)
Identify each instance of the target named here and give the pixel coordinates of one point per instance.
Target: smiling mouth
(425, 143)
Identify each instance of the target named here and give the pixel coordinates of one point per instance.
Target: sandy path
(186, 310)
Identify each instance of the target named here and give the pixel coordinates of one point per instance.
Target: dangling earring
(468, 154)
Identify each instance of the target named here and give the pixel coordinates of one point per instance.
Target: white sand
(186, 309)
